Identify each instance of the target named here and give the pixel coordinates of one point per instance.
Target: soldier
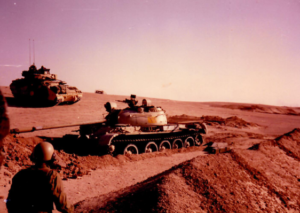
(4, 123)
(36, 189)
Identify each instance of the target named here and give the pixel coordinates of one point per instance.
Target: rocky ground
(260, 174)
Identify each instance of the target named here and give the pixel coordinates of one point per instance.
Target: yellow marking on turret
(152, 120)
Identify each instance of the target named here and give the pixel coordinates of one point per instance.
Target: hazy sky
(193, 50)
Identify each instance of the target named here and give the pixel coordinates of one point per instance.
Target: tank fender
(106, 139)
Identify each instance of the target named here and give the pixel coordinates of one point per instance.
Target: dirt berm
(264, 178)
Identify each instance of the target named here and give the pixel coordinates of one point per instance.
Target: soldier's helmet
(43, 152)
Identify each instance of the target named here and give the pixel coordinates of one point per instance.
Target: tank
(135, 129)
(40, 87)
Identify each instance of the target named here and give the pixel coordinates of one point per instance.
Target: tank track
(149, 139)
(141, 140)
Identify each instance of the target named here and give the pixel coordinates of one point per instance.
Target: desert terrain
(261, 173)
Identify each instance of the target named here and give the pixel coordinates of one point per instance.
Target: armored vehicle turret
(135, 129)
(40, 87)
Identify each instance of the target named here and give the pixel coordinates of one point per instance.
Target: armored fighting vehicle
(135, 129)
(41, 87)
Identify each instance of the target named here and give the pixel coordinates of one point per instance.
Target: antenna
(33, 53)
(29, 53)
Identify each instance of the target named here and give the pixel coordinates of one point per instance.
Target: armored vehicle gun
(135, 129)
(41, 87)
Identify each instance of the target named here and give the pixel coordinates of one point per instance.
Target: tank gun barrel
(38, 128)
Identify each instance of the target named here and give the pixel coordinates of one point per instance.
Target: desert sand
(260, 174)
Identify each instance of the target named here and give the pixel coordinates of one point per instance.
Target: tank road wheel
(111, 149)
(164, 145)
(177, 144)
(151, 147)
(188, 142)
(131, 149)
(198, 140)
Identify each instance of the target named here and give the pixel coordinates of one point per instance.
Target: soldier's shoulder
(22, 173)
(51, 172)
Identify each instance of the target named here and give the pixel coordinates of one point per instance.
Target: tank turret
(39, 86)
(43, 73)
(145, 115)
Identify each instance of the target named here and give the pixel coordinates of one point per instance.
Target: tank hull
(169, 136)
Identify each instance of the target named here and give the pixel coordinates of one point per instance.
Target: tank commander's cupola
(110, 106)
(146, 103)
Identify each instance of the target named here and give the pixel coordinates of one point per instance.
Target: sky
(190, 50)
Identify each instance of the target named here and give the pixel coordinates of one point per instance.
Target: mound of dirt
(182, 118)
(17, 151)
(263, 109)
(233, 121)
(264, 178)
(213, 183)
(290, 143)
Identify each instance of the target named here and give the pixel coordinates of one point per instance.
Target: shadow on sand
(13, 102)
